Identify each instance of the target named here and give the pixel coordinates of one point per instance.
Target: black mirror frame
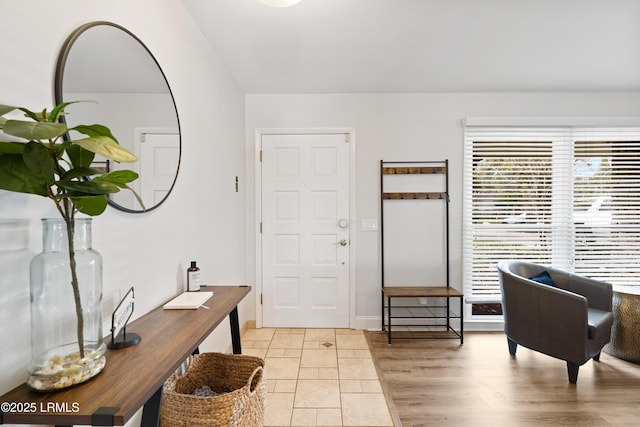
(58, 83)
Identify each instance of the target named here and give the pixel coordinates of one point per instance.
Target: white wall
(201, 220)
(398, 127)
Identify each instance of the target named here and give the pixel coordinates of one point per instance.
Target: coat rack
(429, 294)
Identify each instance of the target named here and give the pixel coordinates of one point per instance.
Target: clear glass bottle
(67, 346)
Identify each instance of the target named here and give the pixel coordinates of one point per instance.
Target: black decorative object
(119, 319)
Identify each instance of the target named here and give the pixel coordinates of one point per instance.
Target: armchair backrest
(597, 293)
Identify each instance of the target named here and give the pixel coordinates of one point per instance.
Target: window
(606, 211)
(563, 197)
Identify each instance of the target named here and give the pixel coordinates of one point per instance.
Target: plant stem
(67, 210)
(69, 220)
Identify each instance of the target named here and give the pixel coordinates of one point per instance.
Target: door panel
(159, 154)
(305, 268)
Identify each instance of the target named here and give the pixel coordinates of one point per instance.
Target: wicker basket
(239, 380)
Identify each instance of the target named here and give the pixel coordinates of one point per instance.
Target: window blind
(561, 196)
(606, 205)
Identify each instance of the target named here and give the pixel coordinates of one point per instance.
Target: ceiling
(401, 46)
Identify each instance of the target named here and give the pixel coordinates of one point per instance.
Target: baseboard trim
(373, 323)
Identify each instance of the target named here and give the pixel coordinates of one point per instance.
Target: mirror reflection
(106, 63)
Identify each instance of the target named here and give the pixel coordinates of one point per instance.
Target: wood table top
(131, 375)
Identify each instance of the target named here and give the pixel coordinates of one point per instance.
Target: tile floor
(318, 377)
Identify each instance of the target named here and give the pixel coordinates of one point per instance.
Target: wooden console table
(133, 377)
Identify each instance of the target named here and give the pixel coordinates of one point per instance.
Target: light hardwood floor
(440, 383)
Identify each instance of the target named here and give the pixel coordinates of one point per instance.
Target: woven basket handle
(187, 365)
(255, 379)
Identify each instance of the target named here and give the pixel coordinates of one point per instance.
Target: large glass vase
(67, 345)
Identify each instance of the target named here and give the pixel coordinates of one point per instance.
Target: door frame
(351, 134)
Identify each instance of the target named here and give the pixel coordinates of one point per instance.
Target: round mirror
(106, 63)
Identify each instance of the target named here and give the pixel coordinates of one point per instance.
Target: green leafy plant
(44, 162)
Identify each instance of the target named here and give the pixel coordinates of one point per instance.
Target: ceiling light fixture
(279, 3)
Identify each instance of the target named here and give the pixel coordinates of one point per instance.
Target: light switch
(369, 224)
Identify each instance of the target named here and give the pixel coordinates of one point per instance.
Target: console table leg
(382, 312)
(461, 322)
(235, 331)
(151, 410)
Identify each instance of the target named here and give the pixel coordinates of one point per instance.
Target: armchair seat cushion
(600, 323)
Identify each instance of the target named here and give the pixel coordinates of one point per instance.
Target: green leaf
(91, 187)
(94, 131)
(137, 196)
(16, 176)
(40, 162)
(80, 158)
(4, 109)
(106, 147)
(34, 130)
(12, 147)
(119, 177)
(58, 110)
(93, 205)
(35, 116)
(76, 173)
(54, 115)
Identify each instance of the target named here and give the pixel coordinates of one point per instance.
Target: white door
(159, 157)
(305, 230)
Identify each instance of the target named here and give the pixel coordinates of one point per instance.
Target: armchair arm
(563, 317)
(598, 294)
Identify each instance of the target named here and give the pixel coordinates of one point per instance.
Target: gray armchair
(568, 318)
